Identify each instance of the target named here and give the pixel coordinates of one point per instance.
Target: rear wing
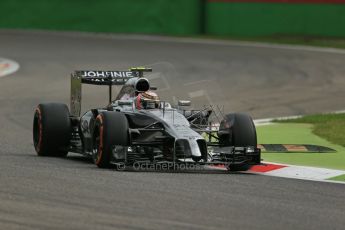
(95, 77)
(104, 77)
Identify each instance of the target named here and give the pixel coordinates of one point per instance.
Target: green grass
(338, 178)
(328, 126)
(299, 133)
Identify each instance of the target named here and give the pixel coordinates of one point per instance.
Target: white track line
(7, 67)
(268, 121)
(207, 41)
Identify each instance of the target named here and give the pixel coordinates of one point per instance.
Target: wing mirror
(125, 102)
(184, 103)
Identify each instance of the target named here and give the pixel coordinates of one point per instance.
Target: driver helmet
(147, 100)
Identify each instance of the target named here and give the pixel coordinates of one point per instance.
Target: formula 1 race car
(138, 127)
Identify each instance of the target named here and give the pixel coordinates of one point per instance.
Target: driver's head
(147, 100)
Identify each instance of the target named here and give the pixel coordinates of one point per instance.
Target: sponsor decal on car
(112, 74)
(105, 77)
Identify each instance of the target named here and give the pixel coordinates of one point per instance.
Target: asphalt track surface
(72, 193)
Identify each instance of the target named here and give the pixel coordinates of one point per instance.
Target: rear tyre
(51, 129)
(238, 130)
(111, 129)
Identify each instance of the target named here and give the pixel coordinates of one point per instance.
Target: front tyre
(238, 130)
(110, 130)
(51, 129)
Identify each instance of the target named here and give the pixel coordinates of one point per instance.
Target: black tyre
(51, 129)
(238, 130)
(111, 128)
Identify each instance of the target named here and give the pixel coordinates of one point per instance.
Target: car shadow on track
(201, 170)
(79, 158)
(214, 172)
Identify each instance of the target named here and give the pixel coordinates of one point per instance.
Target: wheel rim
(97, 149)
(96, 145)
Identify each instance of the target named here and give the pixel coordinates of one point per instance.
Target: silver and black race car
(139, 128)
